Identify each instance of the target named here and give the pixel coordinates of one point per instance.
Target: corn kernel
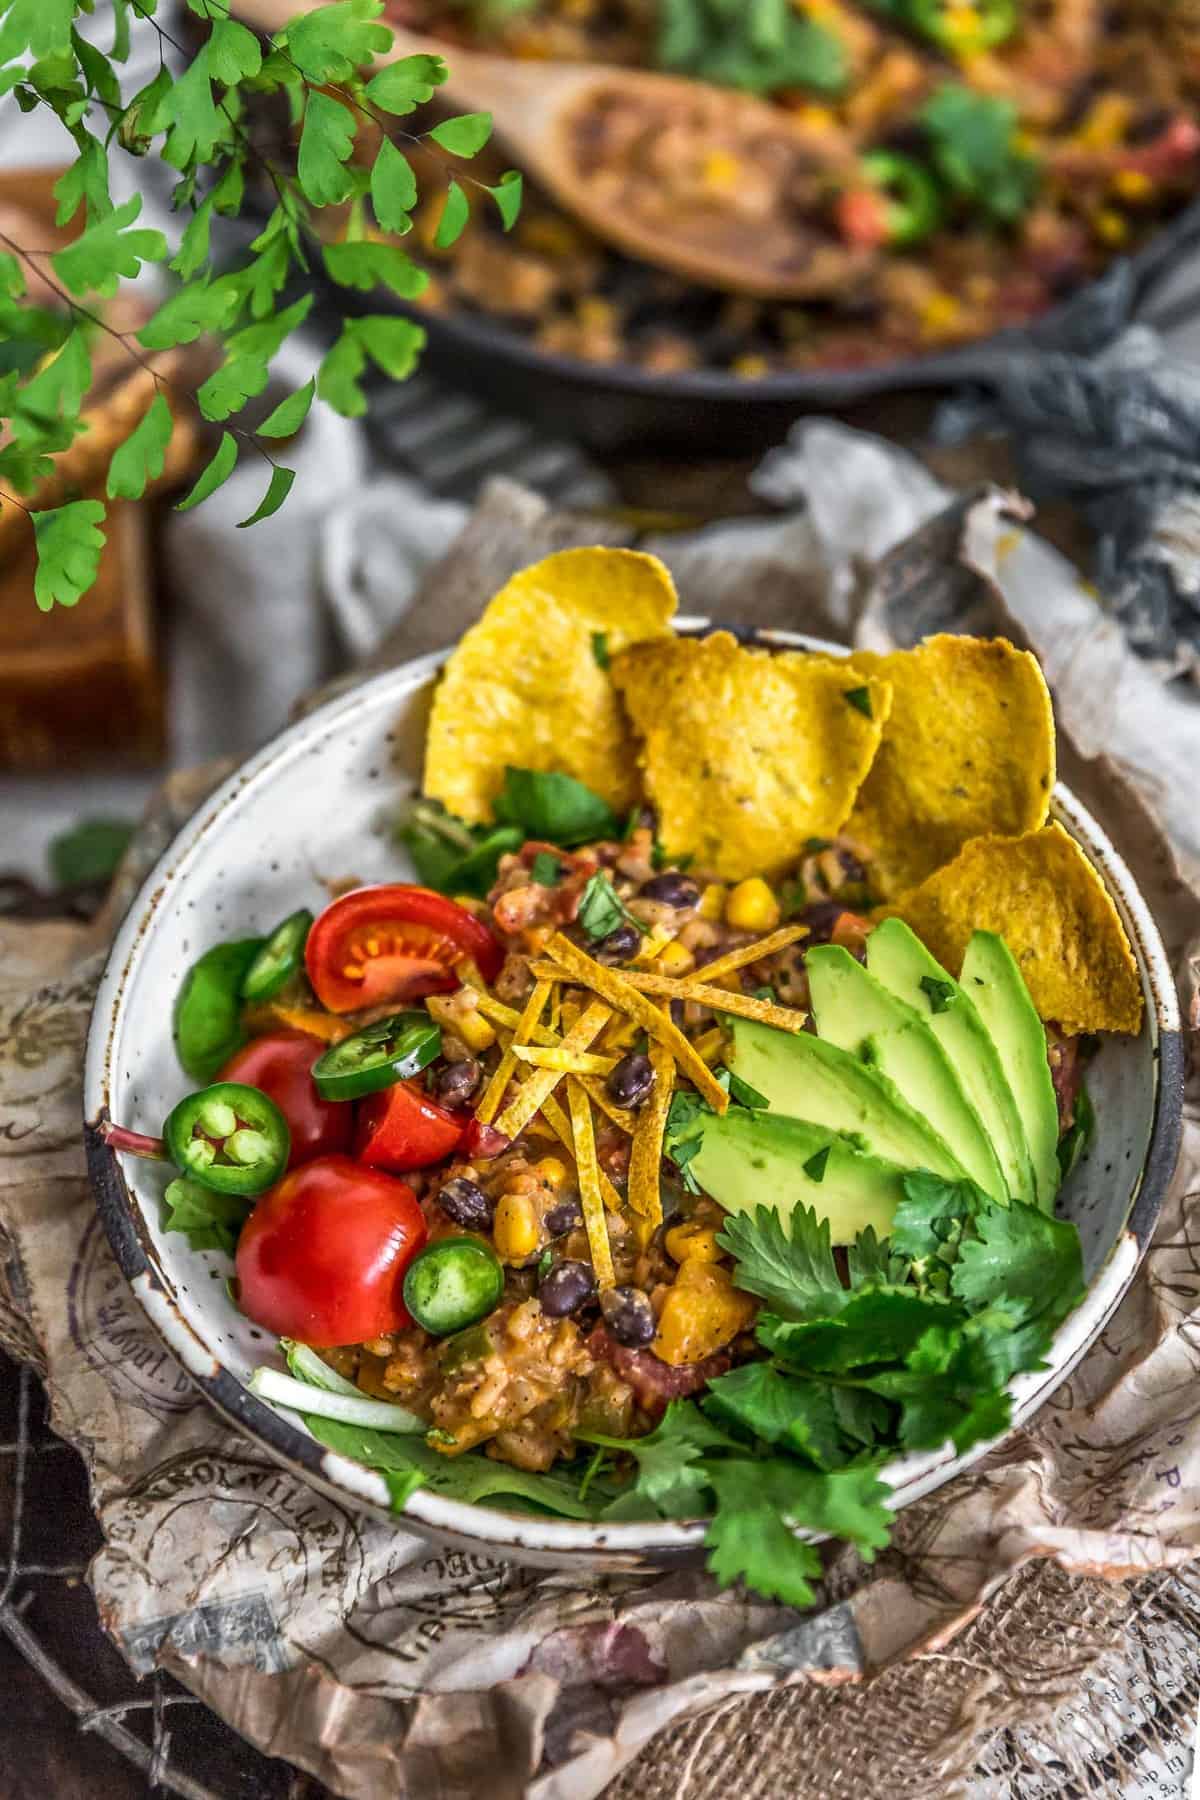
(471, 1026)
(712, 902)
(1132, 184)
(1110, 227)
(751, 366)
(1106, 123)
(515, 1231)
(720, 172)
(751, 906)
(699, 1241)
(675, 960)
(940, 313)
(551, 1172)
(816, 118)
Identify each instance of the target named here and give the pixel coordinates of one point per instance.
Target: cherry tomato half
(322, 1256)
(280, 1065)
(394, 942)
(402, 1128)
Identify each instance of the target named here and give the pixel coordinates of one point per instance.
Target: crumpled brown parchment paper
(387, 1666)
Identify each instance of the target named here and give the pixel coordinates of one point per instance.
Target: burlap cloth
(387, 1666)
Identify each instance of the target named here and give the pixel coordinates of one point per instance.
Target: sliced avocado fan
(804, 1077)
(898, 958)
(855, 1011)
(997, 988)
(747, 1160)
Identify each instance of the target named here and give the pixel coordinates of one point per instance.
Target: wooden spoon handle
(520, 96)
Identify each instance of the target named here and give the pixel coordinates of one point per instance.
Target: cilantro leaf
(759, 48)
(456, 212)
(452, 856)
(877, 1325)
(758, 1503)
(873, 1259)
(471, 1477)
(555, 807)
(393, 189)
(1020, 1258)
(69, 545)
(107, 250)
(974, 148)
(1078, 1136)
(782, 1409)
(793, 1270)
(140, 459)
(290, 414)
(860, 699)
(326, 141)
(464, 135)
(404, 85)
(742, 1094)
(602, 910)
(670, 1473)
(932, 1213)
(545, 869)
(332, 43)
(209, 1221)
(370, 265)
(600, 649)
(940, 994)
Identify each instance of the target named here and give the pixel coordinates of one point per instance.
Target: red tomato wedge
(401, 1128)
(280, 1066)
(394, 942)
(322, 1256)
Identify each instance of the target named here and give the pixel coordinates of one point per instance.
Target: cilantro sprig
(323, 64)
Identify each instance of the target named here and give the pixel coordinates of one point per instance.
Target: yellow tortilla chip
(590, 1198)
(1043, 897)
(567, 1062)
(747, 753)
(687, 987)
(557, 1120)
(506, 1067)
(542, 1082)
(967, 750)
(748, 953)
(525, 685)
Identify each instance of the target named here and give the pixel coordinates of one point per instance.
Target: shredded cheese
(594, 1220)
(485, 1112)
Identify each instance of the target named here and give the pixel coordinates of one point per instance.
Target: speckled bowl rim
(530, 1536)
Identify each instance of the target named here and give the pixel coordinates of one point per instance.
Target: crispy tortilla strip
(686, 987)
(590, 1198)
(568, 1062)
(617, 988)
(485, 1112)
(1040, 894)
(600, 1098)
(712, 1043)
(524, 685)
(748, 753)
(967, 751)
(542, 1082)
(749, 953)
(510, 1019)
(645, 1156)
(560, 1125)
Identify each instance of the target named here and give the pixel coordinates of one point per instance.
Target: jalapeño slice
(392, 1049)
(280, 959)
(229, 1137)
(452, 1284)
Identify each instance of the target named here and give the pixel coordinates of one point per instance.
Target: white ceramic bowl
(313, 805)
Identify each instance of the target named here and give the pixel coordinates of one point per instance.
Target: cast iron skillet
(609, 407)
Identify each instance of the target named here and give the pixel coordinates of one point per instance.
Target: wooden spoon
(715, 186)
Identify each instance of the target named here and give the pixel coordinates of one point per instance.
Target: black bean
(619, 946)
(853, 869)
(466, 1204)
(673, 888)
(457, 1082)
(563, 1218)
(565, 1286)
(632, 1079)
(629, 1316)
(821, 919)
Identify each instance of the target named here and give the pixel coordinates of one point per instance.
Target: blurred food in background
(1002, 152)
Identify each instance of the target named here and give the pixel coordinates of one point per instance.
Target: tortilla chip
(748, 953)
(559, 1124)
(525, 686)
(646, 1152)
(542, 1082)
(1043, 897)
(567, 1062)
(590, 1198)
(687, 987)
(617, 988)
(967, 751)
(747, 753)
(526, 1024)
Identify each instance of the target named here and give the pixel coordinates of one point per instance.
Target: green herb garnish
(814, 1168)
(601, 910)
(759, 46)
(600, 648)
(941, 994)
(554, 807)
(545, 869)
(973, 143)
(860, 699)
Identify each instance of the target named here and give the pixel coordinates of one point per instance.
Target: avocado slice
(747, 1160)
(858, 1013)
(898, 958)
(995, 983)
(804, 1077)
